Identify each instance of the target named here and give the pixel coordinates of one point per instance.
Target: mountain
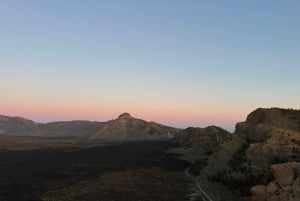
(204, 138)
(198, 144)
(18, 126)
(124, 128)
(267, 137)
(128, 128)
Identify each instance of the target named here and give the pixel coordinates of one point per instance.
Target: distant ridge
(19, 126)
(124, 128)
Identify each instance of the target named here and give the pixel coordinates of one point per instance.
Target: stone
(296, 188)
(283, 196)
(258, 192)
(297, 170)
(272, 188)
(283, 173)
(273, 198)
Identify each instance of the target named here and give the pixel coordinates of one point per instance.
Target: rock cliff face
(285, 187)
(129, 128)
(268, 136)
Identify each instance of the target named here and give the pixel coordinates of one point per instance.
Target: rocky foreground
(284, 187)
(239, 161)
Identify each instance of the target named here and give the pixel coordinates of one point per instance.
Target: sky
(180, 63)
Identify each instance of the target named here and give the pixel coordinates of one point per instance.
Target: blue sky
(179, 62)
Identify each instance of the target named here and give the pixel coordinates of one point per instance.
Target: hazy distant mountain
(70, 128)
(127, 127)
(19, 126)
(124, 128)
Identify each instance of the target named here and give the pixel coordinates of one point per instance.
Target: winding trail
(204, 195)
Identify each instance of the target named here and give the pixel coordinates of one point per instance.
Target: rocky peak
(285, 118)
(128, 128)
(257, 116)
(125, 116)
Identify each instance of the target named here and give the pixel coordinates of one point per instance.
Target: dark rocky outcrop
(199, 144)
(267, 137)
(205, 138)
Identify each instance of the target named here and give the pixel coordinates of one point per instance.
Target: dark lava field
(129, 171)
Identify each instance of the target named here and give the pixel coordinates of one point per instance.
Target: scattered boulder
(284, 173)
(272, 188)
(285, 187)
(258, 193)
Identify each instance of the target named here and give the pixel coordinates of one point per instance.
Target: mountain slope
(198, 144)
(132, 129)
(18, 126)
(125, 128)
(202, 137)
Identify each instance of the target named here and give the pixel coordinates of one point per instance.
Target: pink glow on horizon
(49, 109)
(168, 116)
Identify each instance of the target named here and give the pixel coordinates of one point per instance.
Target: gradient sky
(181, 63)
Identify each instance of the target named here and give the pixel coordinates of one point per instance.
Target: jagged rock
(272, 188)
(124, 116)
(258, 193)
(285, 187)
(284, 173)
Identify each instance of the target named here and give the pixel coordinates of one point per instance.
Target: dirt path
(204, 195)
